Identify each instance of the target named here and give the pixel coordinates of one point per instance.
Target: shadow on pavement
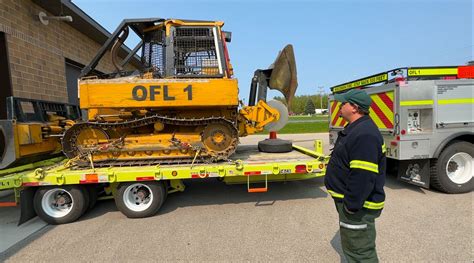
(202, 192)
(393, 183)
(210, 191)
(336, 244)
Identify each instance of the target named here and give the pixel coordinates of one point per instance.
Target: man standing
(355, 177)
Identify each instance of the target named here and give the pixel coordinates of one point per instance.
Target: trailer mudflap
(27, 211)
(415, 172)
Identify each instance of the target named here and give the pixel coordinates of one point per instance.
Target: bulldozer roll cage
(186, 49)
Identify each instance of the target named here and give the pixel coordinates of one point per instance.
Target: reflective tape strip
(374, 206)
(416, 102)
(456, 101)
(334, 194)
(364, 165)
(432, 71)
(367, 204)
(362, 82)
(384, 148)
(354, 227)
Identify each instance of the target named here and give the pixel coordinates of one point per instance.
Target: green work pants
(358, 234)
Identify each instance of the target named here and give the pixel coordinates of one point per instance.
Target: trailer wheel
(137, 200)
(60, 205)
(453, 171)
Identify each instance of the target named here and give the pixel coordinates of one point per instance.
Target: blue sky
(334, 41)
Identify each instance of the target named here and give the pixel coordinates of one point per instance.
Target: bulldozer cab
(168, 48)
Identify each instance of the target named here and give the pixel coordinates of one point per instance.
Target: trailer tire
(452, 172)
(140, 199)
(60, 204)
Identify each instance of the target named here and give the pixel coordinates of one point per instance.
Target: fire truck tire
(453, 171)
(275, 146)
(140, 199)
(60, 204)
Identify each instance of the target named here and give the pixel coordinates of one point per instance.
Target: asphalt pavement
(293, 222)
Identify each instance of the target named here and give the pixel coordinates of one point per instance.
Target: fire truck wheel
(60, 204)
(143, 199)
(453, 171)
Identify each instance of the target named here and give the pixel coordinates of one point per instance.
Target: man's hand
(348, 211)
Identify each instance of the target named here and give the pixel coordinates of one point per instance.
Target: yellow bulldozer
(180, 106)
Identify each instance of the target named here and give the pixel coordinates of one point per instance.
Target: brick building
(40, 61)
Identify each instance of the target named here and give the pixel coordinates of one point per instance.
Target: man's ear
(355, 108)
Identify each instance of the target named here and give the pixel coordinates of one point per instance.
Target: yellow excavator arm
(254, 118)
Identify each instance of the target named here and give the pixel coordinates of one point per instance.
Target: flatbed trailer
(60, 194)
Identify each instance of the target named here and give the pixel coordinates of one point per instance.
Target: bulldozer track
(71, 150)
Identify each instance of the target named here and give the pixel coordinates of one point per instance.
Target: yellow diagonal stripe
(376, 119)
(339, 122)
(333, 114)
(390, 95)
(383, 107)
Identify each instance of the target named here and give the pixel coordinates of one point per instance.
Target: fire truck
(425, 115)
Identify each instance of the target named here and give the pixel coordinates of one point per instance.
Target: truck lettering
(138, 97)
(189, 90)
(165, 93)
(153, 93)
(154, 90)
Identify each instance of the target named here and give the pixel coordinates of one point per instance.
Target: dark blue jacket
(356, 170)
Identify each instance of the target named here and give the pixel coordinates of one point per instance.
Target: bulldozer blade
(283, 76)
(27, 210)
(7, 144)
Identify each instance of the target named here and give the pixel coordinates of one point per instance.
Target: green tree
(309, 108)
(298, 103)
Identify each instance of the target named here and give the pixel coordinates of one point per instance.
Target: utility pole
(321, 90)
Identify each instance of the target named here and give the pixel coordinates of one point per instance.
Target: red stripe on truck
(386, 99)
(145, 178)
(250, 173)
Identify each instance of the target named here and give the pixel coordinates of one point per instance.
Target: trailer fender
(27, 211)
(450, 138)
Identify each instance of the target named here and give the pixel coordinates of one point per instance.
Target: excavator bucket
(283, 77)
